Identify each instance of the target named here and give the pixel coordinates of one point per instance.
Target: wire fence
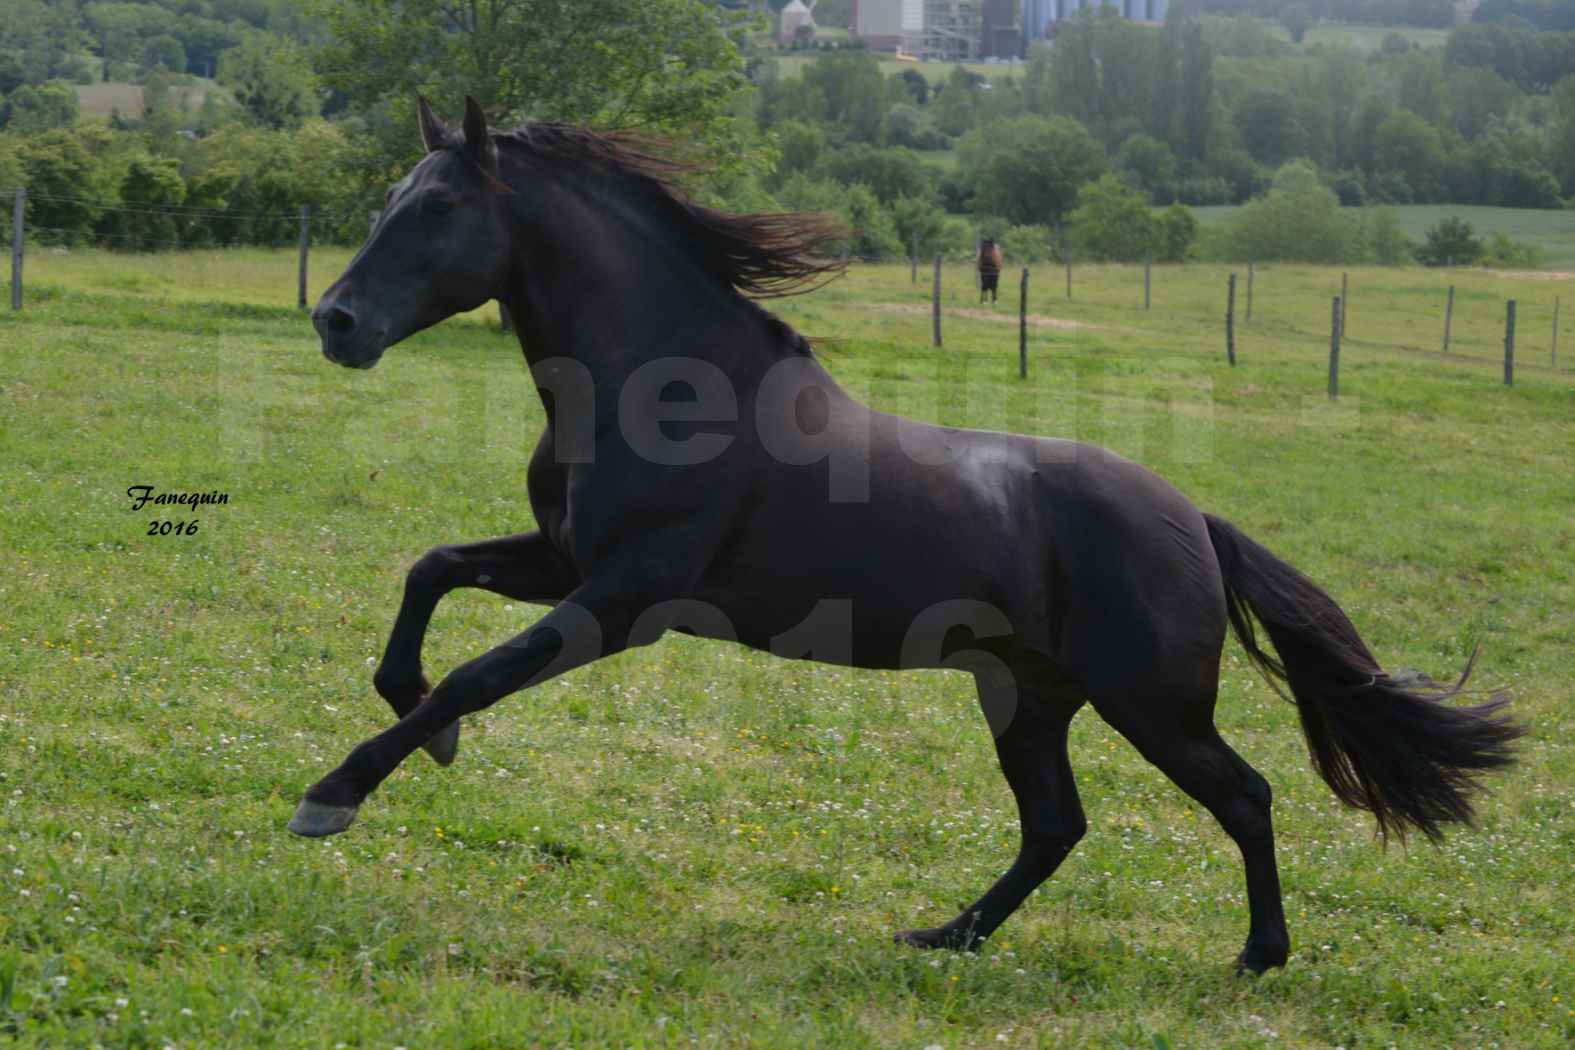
(173, 228)
(69, 219)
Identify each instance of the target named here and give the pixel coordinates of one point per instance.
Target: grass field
(1552, 231)
(791, 64)
(692, 844)
(103, 100)
(1362, 37)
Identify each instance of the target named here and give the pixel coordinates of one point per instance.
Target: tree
(40, 108)
(1028, 169)
(918, 219)
(271, 78)
(1390, 246)
(1450, 242)
(668, 66)
(1296, 19)
(1150, 165)
(150, 189)
(889, 173)
(1411, 148)
(1176, 233)
(1561, 134)
(955, 104)
(1270, 129)
(799, 147)
(1299, 221)
(1112, 222)
(164, 50)
(61, 179)
(854, 90)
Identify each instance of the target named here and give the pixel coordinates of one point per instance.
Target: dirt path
(1533, 275)
(976, 314)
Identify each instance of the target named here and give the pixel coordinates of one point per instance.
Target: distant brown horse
(989, 268)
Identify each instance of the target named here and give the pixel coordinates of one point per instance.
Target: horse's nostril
(338, 320)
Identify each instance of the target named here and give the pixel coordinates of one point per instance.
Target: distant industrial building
(1040, 16)
(966, 30)
(878, 23)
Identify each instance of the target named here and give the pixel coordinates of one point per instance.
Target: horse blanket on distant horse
(989, 268)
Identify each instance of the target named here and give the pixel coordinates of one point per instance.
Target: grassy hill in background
(1552, 231)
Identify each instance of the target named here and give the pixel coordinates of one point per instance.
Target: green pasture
(694, 844)
(1362, 37)
(792, 63)
(104, 99)
(1551, 230)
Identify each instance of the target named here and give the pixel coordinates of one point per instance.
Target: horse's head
(441, 247)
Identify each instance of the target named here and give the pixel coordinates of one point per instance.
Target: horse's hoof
(314, 820)
(1253, 962)
(445, 745)
(938, 937)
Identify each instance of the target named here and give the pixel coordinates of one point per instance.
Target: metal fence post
(1230, 322)
(936, 299)
(18, 210)
(1449, 316)
(1336, 323)
(1022, 327)
(306, 234)
(1509, 345)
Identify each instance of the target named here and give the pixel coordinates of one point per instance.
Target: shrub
(1450, 242)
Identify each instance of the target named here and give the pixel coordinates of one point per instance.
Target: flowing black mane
(764, 256)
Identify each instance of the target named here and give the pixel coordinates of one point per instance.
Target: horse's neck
(618, 304)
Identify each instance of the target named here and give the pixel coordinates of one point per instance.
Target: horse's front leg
(526, 568)
(584, 626)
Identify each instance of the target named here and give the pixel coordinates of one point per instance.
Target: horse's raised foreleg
(526, 568)
(1032, 750)
(584, 626)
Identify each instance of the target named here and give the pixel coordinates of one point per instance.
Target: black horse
(701, 472)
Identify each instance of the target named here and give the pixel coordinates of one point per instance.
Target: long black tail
(1385, 744)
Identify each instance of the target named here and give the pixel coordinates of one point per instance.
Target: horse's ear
(476, 138)
(434, 135)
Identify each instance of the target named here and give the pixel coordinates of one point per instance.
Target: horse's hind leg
(1185, 745)
(1032, 751)
(525, 568)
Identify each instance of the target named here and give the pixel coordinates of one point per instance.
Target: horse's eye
(436, 204)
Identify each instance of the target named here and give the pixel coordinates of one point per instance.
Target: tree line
(1096, 146)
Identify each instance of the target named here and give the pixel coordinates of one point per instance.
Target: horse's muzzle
(345, 342)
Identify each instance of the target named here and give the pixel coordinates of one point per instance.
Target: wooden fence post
(1336, 323)
(306, 228)
(1449, 316)
(935, 299)
(1249, 290)
(1022, 327)
(1555, 361)
(1148, 268)
(1509, 345)
(913, 259)
(1230, 322)
(1345, 302)
(17, 211)
(371, 220)
(1066, 247)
